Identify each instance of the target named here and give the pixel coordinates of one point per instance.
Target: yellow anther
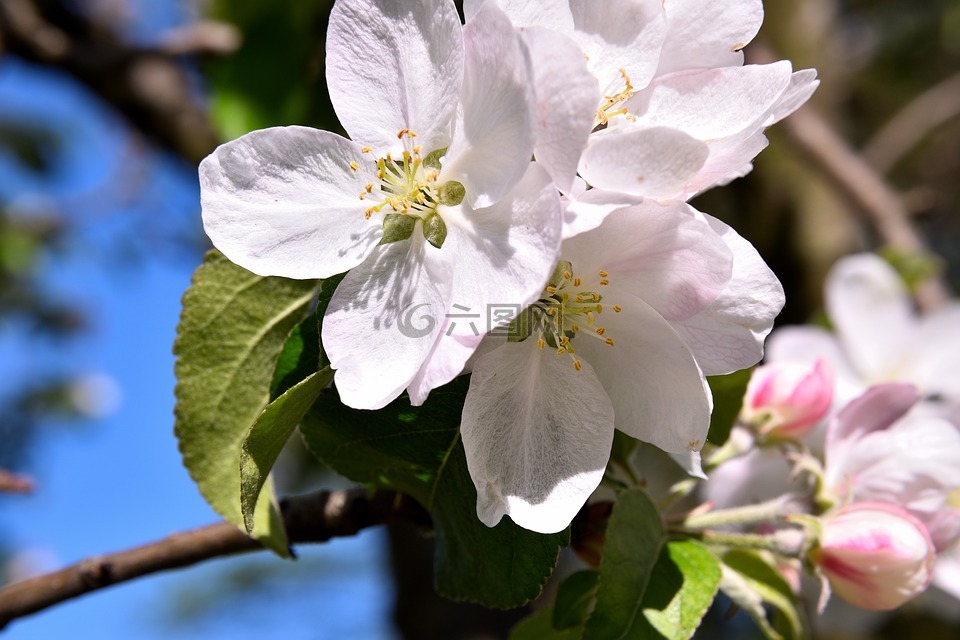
(567, 275)
(368, 187)
(574, 328)
(577, 365)
(617, 308)
(603, 274)
(561, 351)
(363, 195)
(366, 149)
(417, 149)
(600, 330)
(576, 282)
(604, 282)
(400, 135)
(355, 166)
(552, 290)
(609, 341)
(599, 308)
(368, 213)
(541, 343)
(564, 341)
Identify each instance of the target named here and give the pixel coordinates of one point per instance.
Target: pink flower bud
(788, 399)
(875, 555)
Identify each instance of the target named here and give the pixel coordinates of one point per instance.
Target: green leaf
(682, 587)
(574, 599)
(302, 352)
(634, 538)
(267, 436)
(755, 579)
(728, 392)
(231, 330)
(417, 450)
(539, 627)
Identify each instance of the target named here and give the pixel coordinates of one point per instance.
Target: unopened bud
(875, 555)
(787, 400)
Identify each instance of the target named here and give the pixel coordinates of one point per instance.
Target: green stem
(771, 510)
(785, 542)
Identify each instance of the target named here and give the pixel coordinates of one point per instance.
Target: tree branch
(315, 517)
(149, 87)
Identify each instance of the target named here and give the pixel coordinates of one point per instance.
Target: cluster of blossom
(538, 157)
(885, 382)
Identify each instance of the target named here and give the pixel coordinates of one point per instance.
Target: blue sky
(118, 482)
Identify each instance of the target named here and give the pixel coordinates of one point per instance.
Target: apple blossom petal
(394, 66)
(869, 306)
(802, 85)
(588, 209)
(728, 335)
(934, 361)
(730, 158)
(620, 34)
(383, 319)
(658, 253)
(653, 381)
(655, 162)
(875, 410)
(551, 14)
(707, 33)
(537, 435)
(504, 255)
(283, 202)
(496, 131)
(710, 104)
(567, 99)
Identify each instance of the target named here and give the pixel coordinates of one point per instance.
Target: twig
(13, 483)
(315, 517)
(149, 87)
(931, 109)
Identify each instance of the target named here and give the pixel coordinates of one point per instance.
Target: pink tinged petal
(567, 98)
(788, 399)
(730, 158)
(802, 85)
(285, 202)
(871, 310)
(807, 344)
(551, 14)
(875, 410)
(383, 319)
(658, 392)
(708, 34)
(620, 34)
(655, 163)
(394, 66)
(537, 435)
(875, 555)
(502, 257)
(658, 253)
(711, 104)
(587, 210)
(728, 335)
(496, 131)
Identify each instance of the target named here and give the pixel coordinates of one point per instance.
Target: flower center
(407, 190)
(613, 99)
(569, 308)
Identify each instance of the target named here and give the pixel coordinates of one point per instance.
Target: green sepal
(452, 193)
(435, 230)
(397, 227)
(432, 161)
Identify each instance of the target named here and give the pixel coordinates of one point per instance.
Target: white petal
(802, 85)
(284, 202)
(502, 257)
(730, 158)
(712, 103)
(870, 308)
(620, 34)
(874, 411)
(934, 360)
(728, 335)
(567, 99)
(808, 344)
(551, 14)
(707, 33)
(494, 140)
(394, 66)
(655, 163)
(658, 253)
(588, 209)
(537, 435)
(383, 320)
(658, 392)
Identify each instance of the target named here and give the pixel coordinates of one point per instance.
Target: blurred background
(107, 106)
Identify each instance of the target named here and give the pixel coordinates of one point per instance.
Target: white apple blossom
(620, 338)
(432, 204)
(677, 112)
(879, 337)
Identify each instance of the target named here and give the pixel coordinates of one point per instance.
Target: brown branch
(315, 517)
(865, 188)
(913, 123)
(14, 483)
(149, 87)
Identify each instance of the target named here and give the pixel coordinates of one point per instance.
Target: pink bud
(788, 399)
(875, 555)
